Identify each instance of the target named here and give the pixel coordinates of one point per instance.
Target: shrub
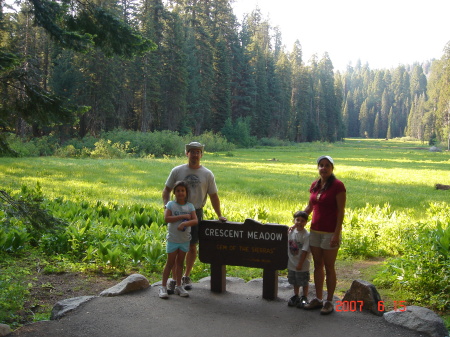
(423, 271)
(214, 142)
(158, 143)
(45, 145)
(68, 151)
(105, 149)
(273, 142)
(87, 142)
(21, 147)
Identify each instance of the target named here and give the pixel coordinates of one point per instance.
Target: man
(201, 183)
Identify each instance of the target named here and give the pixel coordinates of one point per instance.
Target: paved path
(240, 311)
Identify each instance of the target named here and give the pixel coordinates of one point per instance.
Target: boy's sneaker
(179, 290)
(293, 301)
(314, 304)
(163, 292)
(171, 286)
(302, 302)
(327, 308)
(186, 282)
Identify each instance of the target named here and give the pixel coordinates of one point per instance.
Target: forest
(74, 68)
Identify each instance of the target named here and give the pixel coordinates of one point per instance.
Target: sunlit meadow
(271, 182)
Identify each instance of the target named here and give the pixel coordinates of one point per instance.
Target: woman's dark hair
(318, 186)
(184, 184)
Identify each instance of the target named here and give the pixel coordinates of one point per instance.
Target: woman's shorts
(173, 246)
(298, 278)
(322, 240)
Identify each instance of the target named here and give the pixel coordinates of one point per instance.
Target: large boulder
(418, 319)
(131, 283)
(63, 307)
(367, 293)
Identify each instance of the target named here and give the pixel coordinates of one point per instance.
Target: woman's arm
(340, 200)
(308, 209)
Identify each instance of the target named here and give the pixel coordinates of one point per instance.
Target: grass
(375, 172)
(270, 183)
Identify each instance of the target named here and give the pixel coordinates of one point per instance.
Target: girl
(180, 216)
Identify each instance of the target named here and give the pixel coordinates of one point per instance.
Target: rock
(63, 307)
(5, 330)
(435, 149)
(131, 283)
(364, 291)
(418, 319)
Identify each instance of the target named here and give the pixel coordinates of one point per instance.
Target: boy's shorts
(173, 246)
(322, 240)
(298, 278)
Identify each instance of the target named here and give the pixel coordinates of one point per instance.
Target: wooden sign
(248, 244)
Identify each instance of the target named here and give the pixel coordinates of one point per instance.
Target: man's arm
(166, 195)
(215, 202)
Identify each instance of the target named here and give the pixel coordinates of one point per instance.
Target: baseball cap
(327, 158)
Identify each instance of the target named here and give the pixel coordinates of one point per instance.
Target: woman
(327, 203)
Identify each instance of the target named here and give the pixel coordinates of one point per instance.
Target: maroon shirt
(325, 207)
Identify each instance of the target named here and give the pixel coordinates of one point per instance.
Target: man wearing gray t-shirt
(201, 183)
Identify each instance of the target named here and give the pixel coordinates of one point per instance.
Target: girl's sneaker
(186, 282)
(179, 290)
(163, 292)
(171, 284)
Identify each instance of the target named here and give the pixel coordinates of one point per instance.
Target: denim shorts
(173, 246)
(322, 240)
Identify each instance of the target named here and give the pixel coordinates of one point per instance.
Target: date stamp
(352, 306)
(345, 306)
(398, 306)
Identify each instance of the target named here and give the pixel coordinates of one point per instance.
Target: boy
(299, 259)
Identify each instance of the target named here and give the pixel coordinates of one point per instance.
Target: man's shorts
(173, 246)
(194, 229)
(322, 240)
(298, 278)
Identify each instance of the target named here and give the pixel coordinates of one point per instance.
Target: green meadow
(272, 181)
(113, 217)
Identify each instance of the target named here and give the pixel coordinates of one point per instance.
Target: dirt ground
(48, 289)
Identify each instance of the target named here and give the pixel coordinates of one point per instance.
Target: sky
(382, 33)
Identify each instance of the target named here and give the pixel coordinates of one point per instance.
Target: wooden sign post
(248, 244)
